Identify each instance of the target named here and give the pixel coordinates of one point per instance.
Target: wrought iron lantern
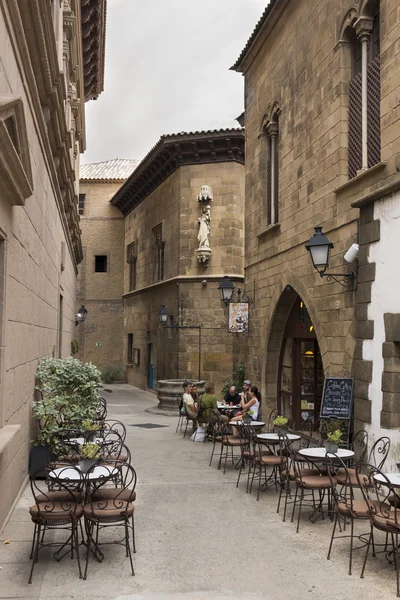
(319, 248)
(226, 289)
(81, 315)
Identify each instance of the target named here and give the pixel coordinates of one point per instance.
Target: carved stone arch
(346, 27)
(286, 292)
(275, 111)
(368, 8)
(264, 121)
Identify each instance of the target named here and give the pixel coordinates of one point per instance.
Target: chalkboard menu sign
(337, 398)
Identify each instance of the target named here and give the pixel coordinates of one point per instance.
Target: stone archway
(282, 301)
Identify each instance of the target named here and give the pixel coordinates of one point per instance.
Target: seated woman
(252, 403)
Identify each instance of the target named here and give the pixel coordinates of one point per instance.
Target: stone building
(183, 208)
(101, 273)
(43, 87)
(321, 120)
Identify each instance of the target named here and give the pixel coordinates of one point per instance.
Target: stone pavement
(198, 536)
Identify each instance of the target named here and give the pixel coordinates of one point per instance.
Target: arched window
(364, 94)
(270, 157)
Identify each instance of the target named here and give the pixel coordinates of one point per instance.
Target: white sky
(167, 71)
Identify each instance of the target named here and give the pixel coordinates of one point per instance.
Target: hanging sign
(238, 317)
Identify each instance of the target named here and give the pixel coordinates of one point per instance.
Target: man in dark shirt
(232, 396)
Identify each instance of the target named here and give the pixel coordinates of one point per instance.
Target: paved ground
(198, 536)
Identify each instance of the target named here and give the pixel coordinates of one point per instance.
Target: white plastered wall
(385, 298)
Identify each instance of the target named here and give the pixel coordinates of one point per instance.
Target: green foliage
(281, 421)
(89, 450)
(112, 373)
(68, 392)
(74, 347)
(88, 425)
(239, 377)
(335, 437)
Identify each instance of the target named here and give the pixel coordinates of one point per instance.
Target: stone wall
(102, 225)
(189, 290)
(37, 266)
(299, 68)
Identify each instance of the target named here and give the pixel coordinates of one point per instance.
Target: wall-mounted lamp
(229, 293)
(81, 315)
(319, 248)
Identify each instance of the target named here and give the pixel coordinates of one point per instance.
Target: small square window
(81, 204)
(100, 263)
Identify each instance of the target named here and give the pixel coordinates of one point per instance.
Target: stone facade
(41, 136)
(102, 225)
(297, 68)
(187, 287)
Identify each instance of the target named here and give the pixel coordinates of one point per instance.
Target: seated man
(209, 403)
(232, 396)
(189, 407)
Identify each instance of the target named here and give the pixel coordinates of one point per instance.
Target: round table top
(252, 423)
(223, 406)
(274, 437)
(342, 453)
(64, 473)
(394, 478)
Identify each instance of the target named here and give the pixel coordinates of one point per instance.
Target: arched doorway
(300, 374)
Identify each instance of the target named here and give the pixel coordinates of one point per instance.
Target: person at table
(189, 406)
(246, 388)
(209, 403)
(232, 396)
(251, 403)
(194, 393)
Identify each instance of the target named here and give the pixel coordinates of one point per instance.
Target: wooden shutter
(355, 119)
(374, 112)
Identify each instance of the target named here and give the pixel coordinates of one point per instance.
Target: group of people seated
(247, 401)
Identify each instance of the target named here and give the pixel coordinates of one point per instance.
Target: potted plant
(67, 394)
(334, 438)
(90, 430)
(281, 424)
(247, 417)
(88, 456)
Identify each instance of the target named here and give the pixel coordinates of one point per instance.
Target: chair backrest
(379, 452)
(125, 476)
(359, 445)
(101, 410)
(271, 418)
(306, 431)
(381, 496)
(66, 478)
(113, 428)
(343, 493)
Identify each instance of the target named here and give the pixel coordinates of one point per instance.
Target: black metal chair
(379, 452)
(181, 416)
(248, 452)
(346, 507)
(110, 506)
(384, 511)
(359, 446)
(101, 410)
(60, 509)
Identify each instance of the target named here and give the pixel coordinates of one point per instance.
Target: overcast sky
(167, 70)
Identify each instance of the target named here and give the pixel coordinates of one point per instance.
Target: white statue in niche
(204, 220)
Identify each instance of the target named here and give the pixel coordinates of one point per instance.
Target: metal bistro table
(255, 424)
(273, 438)
(316, 454)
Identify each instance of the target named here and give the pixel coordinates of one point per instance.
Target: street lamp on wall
(226, 289)
(319, 248)
(81, 315)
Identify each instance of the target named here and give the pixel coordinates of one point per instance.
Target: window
(81, 204)
(273, 171)
(100, 263)
(159, 245)
(60, 325)
(131, 259)
(364, 148)
(130, 348)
